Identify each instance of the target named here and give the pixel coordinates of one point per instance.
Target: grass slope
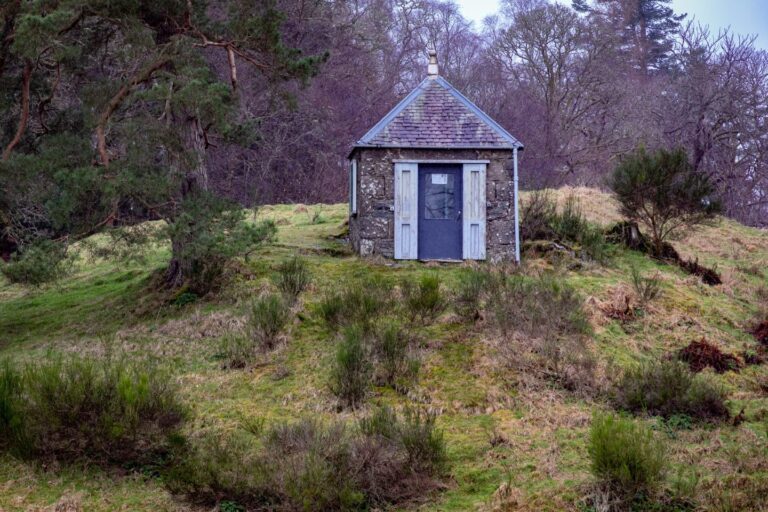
(537, 460)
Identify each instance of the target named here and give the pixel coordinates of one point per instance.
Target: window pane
(439, 196)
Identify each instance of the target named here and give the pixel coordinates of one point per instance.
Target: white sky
(743, 16)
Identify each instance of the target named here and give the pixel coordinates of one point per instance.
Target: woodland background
(579, 86)
(259, 102)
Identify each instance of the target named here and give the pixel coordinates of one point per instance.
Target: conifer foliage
(106, 112)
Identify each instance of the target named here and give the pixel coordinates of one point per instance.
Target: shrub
(332, 308)
(236, 350)
(541, 220)
(540, 307)
(666, 388)
(467, 299)
(423, 301)
(395, 367)
(550, 317)
(663, 192)
(361, 302)
(267, 317)
(537, 213)
(625, 455)
(424, 444)
(39, 263)
(415, 433)
(313, 467)
(352, 370)
(646, 288)
(293, 277)
(570, 224)
(313, 464)
(105, 411)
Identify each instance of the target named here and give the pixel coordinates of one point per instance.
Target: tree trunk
(194, 182)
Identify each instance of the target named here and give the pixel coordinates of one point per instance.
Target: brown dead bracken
(761, 333)
(702, 354)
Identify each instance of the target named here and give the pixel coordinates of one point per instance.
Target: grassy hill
(515, 442)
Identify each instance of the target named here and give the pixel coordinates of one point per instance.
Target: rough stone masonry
(372, 230)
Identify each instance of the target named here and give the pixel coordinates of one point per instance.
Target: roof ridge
(384, 121)
(478, 112)
(473, 127)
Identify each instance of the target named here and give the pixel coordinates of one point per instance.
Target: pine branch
(116, 101)
(26, 79)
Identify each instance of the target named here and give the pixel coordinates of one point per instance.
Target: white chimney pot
(432, 67)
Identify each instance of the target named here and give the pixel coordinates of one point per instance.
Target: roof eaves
(479, 113)
(365, 139)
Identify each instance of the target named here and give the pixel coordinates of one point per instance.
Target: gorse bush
(646, 288)
(625, 455)
(663, 192)
(570, 224)
(267, 317)
(359, 301)
(310, 466)
(101, 410)
(423, 300)
(415, 433)
(537, 307)
(537, 212)
(667, 388)
(391, 350)
(292, 278)
(541, 220)
(543, 328)
(382, 355)
(237, 350)
(39, 263)
(468, 296)
(352, 369)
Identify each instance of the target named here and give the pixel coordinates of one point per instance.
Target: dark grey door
(440, 204)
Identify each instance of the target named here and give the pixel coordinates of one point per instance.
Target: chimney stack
(432, 67)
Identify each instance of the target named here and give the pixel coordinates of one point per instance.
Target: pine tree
(645, 28)
(106, 112)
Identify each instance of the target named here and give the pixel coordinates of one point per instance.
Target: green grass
(542, 461)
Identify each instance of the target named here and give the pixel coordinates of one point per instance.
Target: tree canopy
(114, 105)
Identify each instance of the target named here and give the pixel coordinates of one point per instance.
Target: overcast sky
(743, 16)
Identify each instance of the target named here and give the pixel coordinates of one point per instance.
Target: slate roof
(436, 115)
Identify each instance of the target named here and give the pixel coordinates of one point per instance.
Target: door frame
(406, 223)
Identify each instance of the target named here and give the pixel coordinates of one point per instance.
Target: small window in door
(439, 196)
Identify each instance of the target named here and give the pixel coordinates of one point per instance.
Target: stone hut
(435, 179)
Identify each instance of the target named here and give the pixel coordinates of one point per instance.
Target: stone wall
(372, 230)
